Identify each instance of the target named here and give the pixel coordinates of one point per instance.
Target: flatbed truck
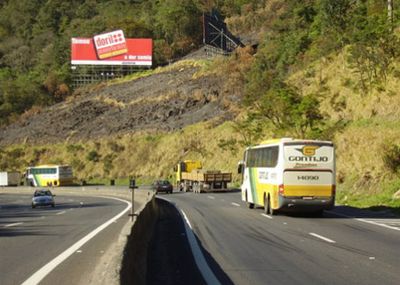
(191, 177)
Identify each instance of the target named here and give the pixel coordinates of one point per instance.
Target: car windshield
(164, 182)
(42, 193)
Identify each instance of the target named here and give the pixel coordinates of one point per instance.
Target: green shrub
(77, 165)
(93, 156)
(391, 157)
(108, 163)
(73, 148)
(115, 147)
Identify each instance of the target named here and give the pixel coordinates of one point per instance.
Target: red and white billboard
(110, 44)
(138, 51)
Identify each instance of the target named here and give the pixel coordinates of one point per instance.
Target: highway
(31, 238)
(245, 246)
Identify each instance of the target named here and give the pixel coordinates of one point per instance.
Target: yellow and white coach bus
(286, 174)
(49, 175)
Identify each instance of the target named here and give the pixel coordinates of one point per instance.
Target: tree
(288, 111)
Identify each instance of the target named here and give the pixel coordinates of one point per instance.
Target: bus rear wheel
(268, 208)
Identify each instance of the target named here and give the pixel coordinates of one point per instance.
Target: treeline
(35, 46)
(35, 40)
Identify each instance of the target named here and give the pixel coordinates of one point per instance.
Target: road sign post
(132, 186)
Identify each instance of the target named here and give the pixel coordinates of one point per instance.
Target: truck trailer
(10, 178)
(191, 177)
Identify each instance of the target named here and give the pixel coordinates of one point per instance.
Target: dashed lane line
(211, 197)
(12, 225)
(235, 204)
(267, 216)
(322, 237)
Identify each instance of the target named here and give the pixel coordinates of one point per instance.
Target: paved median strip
(323, 238)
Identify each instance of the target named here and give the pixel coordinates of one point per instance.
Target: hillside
(167, 100)
(316, 69)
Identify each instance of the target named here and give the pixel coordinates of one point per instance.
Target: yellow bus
(49, 175)
(289, 174)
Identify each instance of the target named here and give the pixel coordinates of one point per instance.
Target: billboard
(111, 49)
(110, 44)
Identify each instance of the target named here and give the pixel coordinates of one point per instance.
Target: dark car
(162, 186)
(43, 197)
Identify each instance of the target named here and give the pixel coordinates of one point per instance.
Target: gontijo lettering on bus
(309, 152)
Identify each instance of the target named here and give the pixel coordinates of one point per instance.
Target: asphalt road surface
(245, 246)
(31, 238)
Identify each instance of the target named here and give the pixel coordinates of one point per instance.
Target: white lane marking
(323, 238)
(187, 220)
(378, 224)
(12, 225)
(79, 251)
(365, 221)
(61, 213)
(201, 262)
(265, 215)
(235, 204)
(41, 273)
(211, 197)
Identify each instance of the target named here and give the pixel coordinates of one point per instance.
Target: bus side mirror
(175, 168)
(240, 167)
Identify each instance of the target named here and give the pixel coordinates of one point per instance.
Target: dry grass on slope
(337, 85)
(373, 121)
(143, 155)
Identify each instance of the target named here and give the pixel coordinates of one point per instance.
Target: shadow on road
(170, 259)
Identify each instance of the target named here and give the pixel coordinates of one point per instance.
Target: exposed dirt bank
(168, 100)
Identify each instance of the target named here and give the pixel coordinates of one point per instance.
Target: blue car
(43, 197)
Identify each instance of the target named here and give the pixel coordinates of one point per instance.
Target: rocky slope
(167, 100)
